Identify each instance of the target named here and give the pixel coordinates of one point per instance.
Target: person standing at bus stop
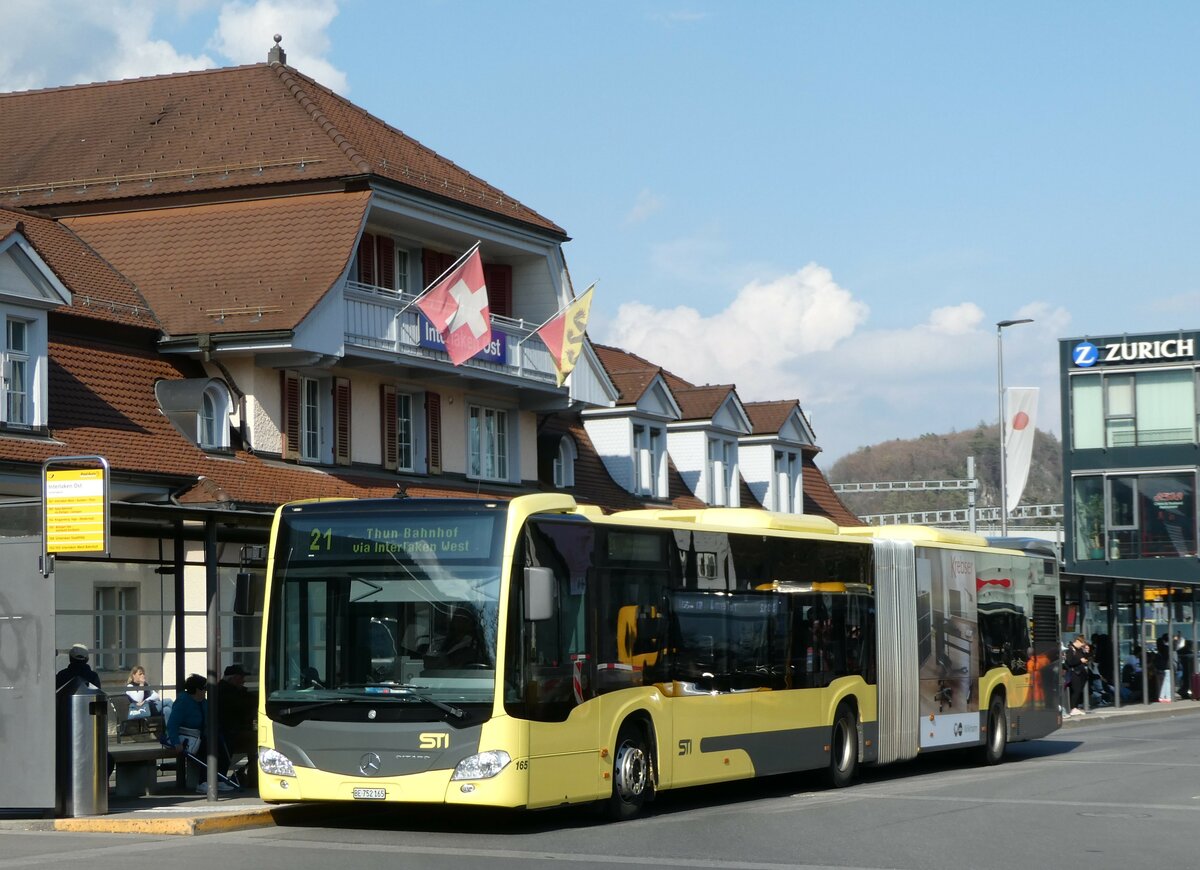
(77, 666)
(1079, 662)
(236, 711)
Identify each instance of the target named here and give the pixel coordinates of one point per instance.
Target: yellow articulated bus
(536, 653)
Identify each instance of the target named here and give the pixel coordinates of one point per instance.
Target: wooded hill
(944, 457)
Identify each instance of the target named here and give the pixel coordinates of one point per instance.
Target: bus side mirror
(539, 594)
(242, 599)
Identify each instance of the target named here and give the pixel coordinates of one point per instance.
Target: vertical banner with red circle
(1021, 412)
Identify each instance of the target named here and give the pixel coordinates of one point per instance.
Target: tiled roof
(700, 403)
(393, 155)
(630, 374)
(98, 291)
(102, 402)
(820, 499)
(767, 418)
(219, 129)
(232, 267)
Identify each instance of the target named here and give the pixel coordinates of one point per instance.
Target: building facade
(1131, 455)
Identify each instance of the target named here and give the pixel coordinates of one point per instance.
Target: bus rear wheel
(996, 739)
(843, 748)
(632, 773)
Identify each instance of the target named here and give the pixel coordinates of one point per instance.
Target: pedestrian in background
(77, 666)
(1079, 662)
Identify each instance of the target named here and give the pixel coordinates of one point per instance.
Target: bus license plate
(369, 794)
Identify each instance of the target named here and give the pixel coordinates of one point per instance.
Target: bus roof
(738, 518)
(922, 534)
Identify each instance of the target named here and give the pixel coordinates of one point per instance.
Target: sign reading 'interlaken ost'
(76, 510)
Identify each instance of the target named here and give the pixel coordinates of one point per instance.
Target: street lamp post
(1000, 388)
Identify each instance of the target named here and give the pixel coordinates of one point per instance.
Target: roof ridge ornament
(277, 54)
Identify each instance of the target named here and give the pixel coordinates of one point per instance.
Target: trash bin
(82, 757)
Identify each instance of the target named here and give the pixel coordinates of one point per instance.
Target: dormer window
(564, 464)
(649, 460)
(722, 480)
(28, 289)
(199, 408)
(785, 488)
(18, 407)
(214, 416)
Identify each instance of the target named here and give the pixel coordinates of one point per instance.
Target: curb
(1109, 716)
(181, 824)
(184, 826)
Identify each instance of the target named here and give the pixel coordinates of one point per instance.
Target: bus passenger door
(555, 676)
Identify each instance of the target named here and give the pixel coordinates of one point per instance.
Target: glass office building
(1131, 453)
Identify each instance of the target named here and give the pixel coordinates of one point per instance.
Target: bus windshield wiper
(402, 690)
(292, 712)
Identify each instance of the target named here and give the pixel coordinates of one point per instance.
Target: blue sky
(833, 202)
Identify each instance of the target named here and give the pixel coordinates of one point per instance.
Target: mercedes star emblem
(369, 764)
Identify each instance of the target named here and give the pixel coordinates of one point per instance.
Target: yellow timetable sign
(76, 519)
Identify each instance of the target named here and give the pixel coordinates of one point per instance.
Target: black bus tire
(632, 773)
(996, 739)
(843, 748)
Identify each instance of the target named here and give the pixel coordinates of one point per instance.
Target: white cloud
(245, 32)
(802, 336)
(766, 327)
(64, 42)
(646, 204)
(956, 319)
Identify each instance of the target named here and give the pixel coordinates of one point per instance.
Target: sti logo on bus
(435, 740)
(1085, 354)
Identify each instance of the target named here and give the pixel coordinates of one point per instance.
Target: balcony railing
(386, 320)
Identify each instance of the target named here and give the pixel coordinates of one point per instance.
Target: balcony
(386, 320)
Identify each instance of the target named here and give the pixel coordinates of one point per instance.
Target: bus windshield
(383, 606)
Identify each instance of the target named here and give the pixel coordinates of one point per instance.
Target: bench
(135, 749)
(137, 766)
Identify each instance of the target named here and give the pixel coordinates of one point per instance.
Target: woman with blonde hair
(143, 700)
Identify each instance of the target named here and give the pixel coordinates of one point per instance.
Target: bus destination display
(444, 538)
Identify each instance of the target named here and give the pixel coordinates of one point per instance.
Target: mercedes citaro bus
(536, 653)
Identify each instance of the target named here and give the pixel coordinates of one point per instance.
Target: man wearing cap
(236, 711)
(77, 666)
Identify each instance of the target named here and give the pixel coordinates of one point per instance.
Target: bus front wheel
(843, 748)
(632, 773)
(996, 739)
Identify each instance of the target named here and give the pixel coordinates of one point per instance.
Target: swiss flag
(457, 306)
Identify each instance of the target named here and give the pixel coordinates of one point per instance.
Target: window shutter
(366, 259)
(290, 424)
(433, 423)
(387, 426)
(387, 262)
(434, 263)
(341, 421)
(498, 278)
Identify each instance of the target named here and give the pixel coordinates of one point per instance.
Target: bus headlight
(485, 765)
(274, 763)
